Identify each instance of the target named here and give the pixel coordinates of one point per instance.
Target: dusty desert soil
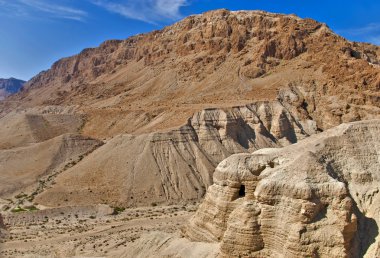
(71, 235)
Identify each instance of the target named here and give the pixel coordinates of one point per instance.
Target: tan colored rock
(317, 198)
(176, 165)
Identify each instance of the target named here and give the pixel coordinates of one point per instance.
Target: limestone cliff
(316, 198)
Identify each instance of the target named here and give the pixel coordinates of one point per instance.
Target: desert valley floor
(73, 235)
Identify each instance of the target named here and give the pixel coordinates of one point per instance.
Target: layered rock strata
(176, 165)
(316, 198)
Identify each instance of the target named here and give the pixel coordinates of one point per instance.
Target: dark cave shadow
(289, 129)
(246, 135)
(322, 214)
(367, 232)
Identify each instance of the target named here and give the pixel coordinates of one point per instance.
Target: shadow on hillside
(367, 232)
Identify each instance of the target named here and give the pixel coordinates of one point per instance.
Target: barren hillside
(220, 58)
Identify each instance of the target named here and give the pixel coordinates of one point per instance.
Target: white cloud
(54, 9)
(365, 30)
(144, 10)
(369, 33)
(375, 40)
(33, 8)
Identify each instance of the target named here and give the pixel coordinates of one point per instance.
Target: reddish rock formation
(216, 59)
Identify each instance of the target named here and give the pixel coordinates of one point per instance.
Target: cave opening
(242, 191)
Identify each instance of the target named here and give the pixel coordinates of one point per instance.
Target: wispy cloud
(375, 40)
(150, 11)
(368, 33)
(37, 7)
(367, 29)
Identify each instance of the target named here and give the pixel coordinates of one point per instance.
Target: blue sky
(35, 33)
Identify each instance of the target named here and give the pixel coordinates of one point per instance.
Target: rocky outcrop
(176, 165)
(316, 198)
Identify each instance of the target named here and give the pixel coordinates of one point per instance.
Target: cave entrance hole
(242, 191)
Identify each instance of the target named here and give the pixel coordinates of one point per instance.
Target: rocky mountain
(158, 80)
(10, 86)
(171, 104)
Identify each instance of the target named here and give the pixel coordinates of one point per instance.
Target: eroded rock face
(176, 165)
(316, 198)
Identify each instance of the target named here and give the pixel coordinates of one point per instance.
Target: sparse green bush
(18, 209)
(32, 208)
(118, 210)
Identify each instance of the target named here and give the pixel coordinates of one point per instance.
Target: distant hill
(10, 86)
